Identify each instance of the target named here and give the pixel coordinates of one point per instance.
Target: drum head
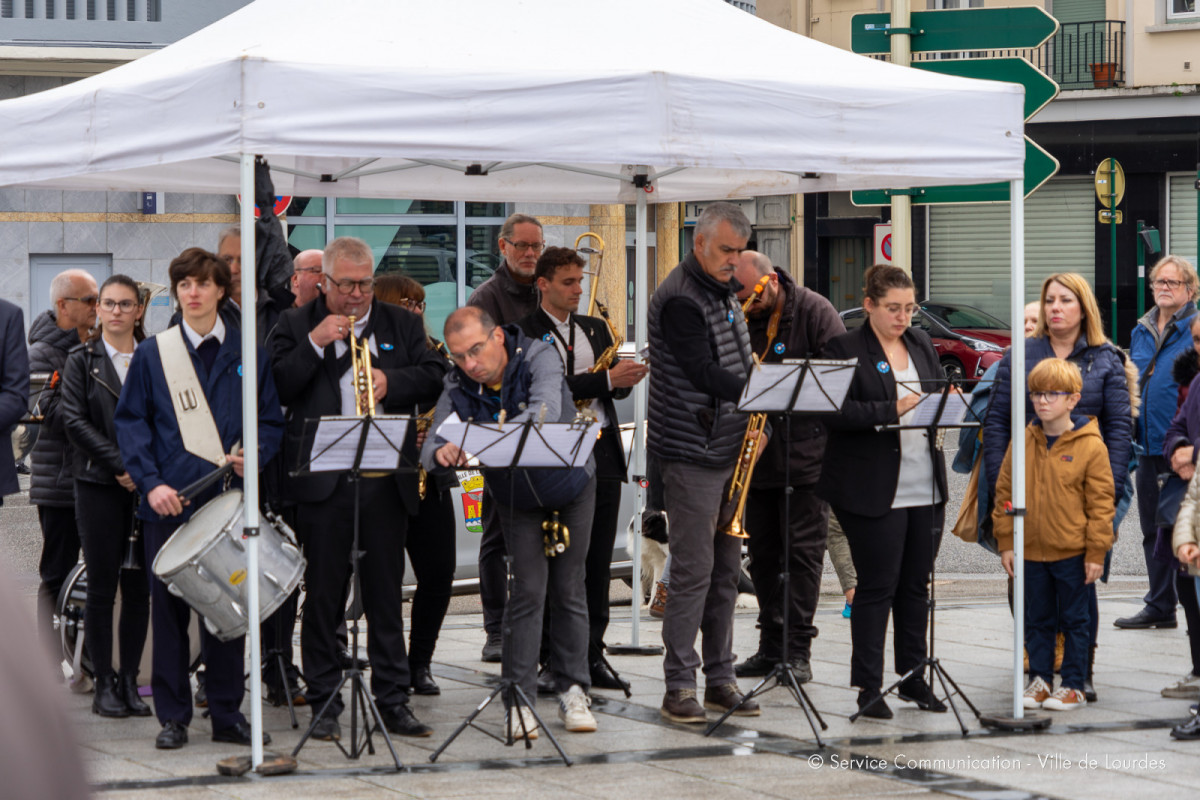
(195, 535)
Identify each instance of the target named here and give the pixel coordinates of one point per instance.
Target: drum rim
(184, 559)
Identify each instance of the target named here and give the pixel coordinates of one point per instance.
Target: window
(1182, 10)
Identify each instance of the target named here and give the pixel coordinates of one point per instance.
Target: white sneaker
(522, 725)
(1065, 700)
(1036, 693)
(1186, 688)
(573, 705)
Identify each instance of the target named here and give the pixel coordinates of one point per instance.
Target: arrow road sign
(1039, 88)
(957, 29)
(1040, 166)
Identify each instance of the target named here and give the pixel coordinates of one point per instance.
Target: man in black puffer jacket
(73, 296)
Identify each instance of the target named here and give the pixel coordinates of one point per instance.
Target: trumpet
(557, 537)
(360, 370)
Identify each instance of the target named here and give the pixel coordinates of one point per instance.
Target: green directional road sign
(958, 29)
(1039, 88)
(1040, 166)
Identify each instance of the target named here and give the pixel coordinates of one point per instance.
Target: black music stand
(806, 386)
(939, 414)
(350, 437)
(529, 444)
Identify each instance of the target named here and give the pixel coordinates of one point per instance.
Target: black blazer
(90, 390)
(14, 390)
(308, 387)
(610, 454)
(862, 464)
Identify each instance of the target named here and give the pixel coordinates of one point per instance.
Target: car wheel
(954, 370)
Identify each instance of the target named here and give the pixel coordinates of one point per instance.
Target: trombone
(604, 360)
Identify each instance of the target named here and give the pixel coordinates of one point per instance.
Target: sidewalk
(1118, 748)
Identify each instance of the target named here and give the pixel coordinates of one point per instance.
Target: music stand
(348, 444)
(529, 444)
(935, 411)
(808, 386)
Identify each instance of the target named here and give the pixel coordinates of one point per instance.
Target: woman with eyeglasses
(1069, 327)
(431, 532)
(105, 497)
(887, 487)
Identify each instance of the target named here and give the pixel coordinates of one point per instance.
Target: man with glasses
(52, 334)
(311, 362)
(509, 295)
(1156, 341)
(306, 276)
(786, 321)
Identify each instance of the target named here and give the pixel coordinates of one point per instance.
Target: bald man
(786, 321)
(306, 276)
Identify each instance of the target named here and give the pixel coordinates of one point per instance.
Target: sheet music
(561, 445)
(954, 413)
(335, 445)
(549, 445)
(825, 384)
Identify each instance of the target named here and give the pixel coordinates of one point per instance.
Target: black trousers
(598, 567)
(105, 519)
(431, 551)
(223, 661)
(1191, 612)
(1160, 599)
(60, 553)
(328, 536)
(808, 525)
(892, 555)
(492, 574)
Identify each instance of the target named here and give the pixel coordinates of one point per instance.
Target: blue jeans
(1051, 585)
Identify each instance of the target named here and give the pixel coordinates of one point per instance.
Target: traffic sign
(883, 244)
(1105, 216)
(1039, 88)
(1118, 182)
(957, 29)
(282, 201)
(1040, 166)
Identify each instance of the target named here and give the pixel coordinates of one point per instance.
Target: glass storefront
(418, 238)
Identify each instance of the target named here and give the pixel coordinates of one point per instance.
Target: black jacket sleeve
(84, 435)
(686, 335)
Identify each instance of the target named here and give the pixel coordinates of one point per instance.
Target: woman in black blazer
(888, 488)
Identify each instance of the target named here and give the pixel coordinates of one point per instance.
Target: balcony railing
(1082, 55)
(122, 23)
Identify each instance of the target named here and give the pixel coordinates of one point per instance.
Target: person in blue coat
(153, 450)
(1069, 327)
(1157, 340)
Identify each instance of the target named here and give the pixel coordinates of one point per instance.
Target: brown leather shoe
(679, 705)
(723, 698)
(658, 605)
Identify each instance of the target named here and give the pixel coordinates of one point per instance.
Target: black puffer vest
(685, 423)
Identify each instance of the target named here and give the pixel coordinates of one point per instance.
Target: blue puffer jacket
(1105, 396)
(1155, 375)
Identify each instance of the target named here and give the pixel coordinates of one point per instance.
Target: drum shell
(214, 580)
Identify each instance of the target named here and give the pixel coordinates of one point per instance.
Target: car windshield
(964, 316)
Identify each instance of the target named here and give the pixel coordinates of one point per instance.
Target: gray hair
(1186, 271)
(349, 248)
(506, 230)
(60, 285)
(716, 213)
(762, 265)
(232, 230)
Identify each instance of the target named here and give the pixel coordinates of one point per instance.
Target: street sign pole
(1112, 240)
(901, 50)
(1141, 270)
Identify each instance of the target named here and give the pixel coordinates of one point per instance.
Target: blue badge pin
(779, 348)
(731, 315)
(387, 347)
(239, 370)
(548, 338)
(884, 367)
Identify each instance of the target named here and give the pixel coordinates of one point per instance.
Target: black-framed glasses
(1046, 397)
(521, 247)
(413, 305)
(307, 269)
(90, 300)
(126, 306)
(346, 286)
(1164, 283)
(474, 352)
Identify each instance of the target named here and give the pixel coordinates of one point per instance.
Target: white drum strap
(196, 425)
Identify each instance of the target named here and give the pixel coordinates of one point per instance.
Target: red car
(967, 339)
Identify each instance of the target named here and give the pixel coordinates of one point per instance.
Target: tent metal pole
(641, 308)
(1017, 310)
(250, 446)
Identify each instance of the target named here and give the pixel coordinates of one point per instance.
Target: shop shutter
(1181, 235)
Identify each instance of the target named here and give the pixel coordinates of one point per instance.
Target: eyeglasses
(307, 269)
(895, 309)
(413, 305)
(474, 352)
(1046, 397)
(366, 285)
(1163, 283)
(90, 300)
(126, 306)
(230, 259)
(521, 247)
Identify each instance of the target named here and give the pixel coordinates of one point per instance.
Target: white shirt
(120, 361)
(585, 357)
(217, 332)
(346, 381)
(915, 485)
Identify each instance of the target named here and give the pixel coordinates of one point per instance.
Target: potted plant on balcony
(1104, 74)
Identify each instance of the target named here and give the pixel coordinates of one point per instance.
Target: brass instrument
(133, 553)
(595, 273)
(423, 422)
(360, 370)
(557, 537)
(605, 360)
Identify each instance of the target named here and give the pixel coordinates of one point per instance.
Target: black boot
(108, 702)
(1089, 691)
(127, 688)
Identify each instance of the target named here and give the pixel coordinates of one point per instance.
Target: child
(1068, 529)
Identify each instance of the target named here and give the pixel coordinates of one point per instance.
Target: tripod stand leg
(942, 678)
(806, 704)
(369, 702)
(750, 695)
(468, 722)
(281, 666)
(319, 716)
(613, 671)
(519, 694)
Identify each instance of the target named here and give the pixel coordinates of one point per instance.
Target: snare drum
(204, 562)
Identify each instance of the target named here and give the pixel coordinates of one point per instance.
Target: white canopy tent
(517, 100)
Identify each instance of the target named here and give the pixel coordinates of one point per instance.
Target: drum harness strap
(196, 425)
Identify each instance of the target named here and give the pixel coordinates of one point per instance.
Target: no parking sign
(883, 244)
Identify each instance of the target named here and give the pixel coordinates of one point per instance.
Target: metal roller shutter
(969, 254)
(1181, 235)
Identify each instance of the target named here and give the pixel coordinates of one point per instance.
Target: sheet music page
(769, 387)
(560, 445)
(954, 413)
(826, 385)
(491, 445)
(335, 444)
